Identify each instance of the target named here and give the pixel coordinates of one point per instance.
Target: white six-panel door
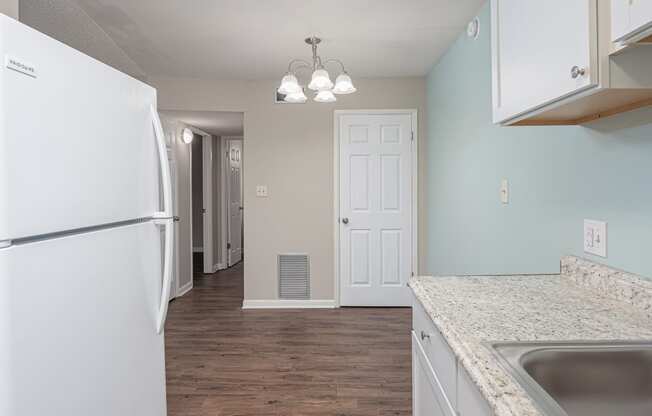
(376, 208)
(235, 201)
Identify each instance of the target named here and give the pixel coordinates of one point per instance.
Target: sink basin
(582, 379)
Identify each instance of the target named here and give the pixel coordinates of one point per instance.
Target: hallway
(223, 361)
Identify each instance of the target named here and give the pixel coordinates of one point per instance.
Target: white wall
(290, 149)
(9, 7)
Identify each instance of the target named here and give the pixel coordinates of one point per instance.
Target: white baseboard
(288, 304)
(198, 249)
(183, 290)
(219, 266)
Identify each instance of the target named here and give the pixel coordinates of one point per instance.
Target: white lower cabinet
(426, 394)
(440, 387)
(471, 401)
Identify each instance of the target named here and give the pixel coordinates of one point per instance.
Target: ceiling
(218, 123)
(255, 39)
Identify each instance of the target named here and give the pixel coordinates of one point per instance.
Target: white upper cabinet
(542, 53)
(552, 62)
(631, 20)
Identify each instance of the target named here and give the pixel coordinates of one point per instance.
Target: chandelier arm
(326, 62)
(302, 62)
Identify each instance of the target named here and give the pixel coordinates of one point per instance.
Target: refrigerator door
(78, 325)
(77, 143)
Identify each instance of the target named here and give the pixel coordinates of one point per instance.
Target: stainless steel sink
(582, 379)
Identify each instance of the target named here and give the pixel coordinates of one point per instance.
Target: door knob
(345, 220)
(576, 71)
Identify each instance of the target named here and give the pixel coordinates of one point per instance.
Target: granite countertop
(585, 302)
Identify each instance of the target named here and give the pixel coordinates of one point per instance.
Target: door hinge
(412, 136)
(228, 246)
(203, 210)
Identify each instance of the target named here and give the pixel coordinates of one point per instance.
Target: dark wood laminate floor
(223, 361)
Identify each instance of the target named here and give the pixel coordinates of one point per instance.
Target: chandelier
(320, 81)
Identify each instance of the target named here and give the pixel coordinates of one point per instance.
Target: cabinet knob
(576, 71)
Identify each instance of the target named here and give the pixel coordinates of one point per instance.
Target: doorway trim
(207, 200)
(336, 188)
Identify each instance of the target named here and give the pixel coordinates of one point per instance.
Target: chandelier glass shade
(344, 85)
(325, 96)
(289, 85)
(320, 80)
(296, 97)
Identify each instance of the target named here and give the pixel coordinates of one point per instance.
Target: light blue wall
(558, 176)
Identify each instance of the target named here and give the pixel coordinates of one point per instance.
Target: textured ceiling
(255, 39)
(218, 123)
(67, 22)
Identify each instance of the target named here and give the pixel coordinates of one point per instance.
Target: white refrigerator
(86, 234)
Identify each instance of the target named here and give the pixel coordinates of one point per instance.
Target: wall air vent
(294, 276)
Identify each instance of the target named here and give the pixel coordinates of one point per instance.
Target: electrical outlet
(595, 237)
(261, 191)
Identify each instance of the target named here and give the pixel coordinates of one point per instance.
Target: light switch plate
(504, 191)
(595, 237)
(261, 191)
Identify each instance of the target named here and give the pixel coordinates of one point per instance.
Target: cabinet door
(620, 15)
(471, 402)
(424, 390)
(535, 46)
(641, 15)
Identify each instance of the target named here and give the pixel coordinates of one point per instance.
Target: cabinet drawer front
(428, 397)
(473, 404)
(535, 46)
(437, 350)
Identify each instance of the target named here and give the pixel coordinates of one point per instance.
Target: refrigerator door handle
(164, 218)
(167, 275)
(165, 167)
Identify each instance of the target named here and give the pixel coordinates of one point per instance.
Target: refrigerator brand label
(20, 66)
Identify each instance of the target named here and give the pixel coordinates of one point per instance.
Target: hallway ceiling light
(187, 136)
(320, 80)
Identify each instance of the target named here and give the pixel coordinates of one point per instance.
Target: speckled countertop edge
(618, 290)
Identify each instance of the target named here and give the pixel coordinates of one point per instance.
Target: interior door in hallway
(376, 162)
(235, 202)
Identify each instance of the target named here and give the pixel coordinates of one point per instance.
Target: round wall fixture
(187, 136)
(473, 28)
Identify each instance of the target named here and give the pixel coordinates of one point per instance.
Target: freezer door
(77, 146)
(78, 325)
